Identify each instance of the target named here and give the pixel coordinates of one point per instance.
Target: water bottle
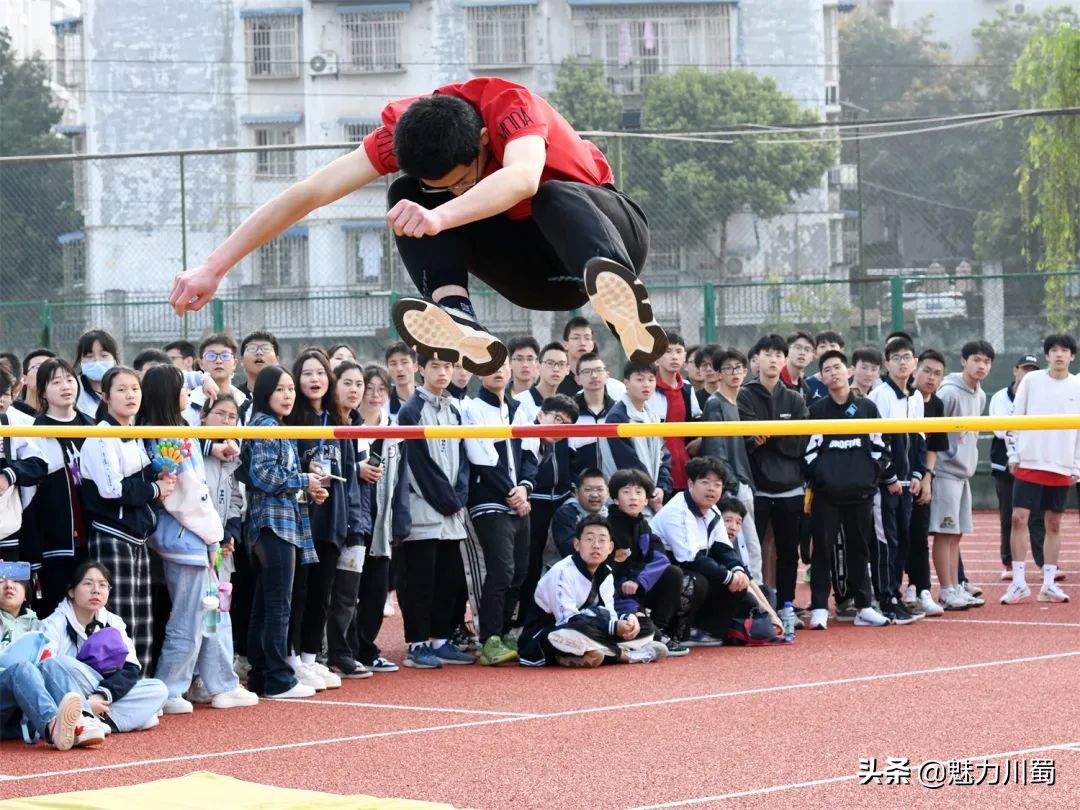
(210, 615)
(787, 618)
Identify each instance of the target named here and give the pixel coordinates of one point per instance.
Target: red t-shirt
(676, 445)
(509, 111)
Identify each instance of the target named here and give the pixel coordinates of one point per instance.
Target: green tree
(582, 96)
(36, 202)
(690, 189)
(1048, 75)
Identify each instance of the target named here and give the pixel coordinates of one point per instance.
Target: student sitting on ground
(644, 576)
(573, 620)
(693, 531)
(116, 691)
(38, 697)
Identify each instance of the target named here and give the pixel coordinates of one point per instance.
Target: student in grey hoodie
(950, 507)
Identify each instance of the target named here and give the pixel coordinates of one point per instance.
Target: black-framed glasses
(460, 186)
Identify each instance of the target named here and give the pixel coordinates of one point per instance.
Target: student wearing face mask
(95, 354)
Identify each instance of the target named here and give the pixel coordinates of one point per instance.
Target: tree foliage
(582, 96)
(36, 202)
(691, 189)
(1048, 75)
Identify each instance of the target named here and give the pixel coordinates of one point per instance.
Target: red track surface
(723, 727)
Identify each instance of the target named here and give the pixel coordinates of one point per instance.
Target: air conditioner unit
(832, 94)
(323, 64)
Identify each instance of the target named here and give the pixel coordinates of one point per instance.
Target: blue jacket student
(638, 557)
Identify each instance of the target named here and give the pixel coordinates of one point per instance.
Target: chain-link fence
(94, 241)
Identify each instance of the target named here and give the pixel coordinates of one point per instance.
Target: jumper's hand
(409, 218)
(192, 289)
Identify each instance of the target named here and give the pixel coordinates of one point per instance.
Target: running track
(720, 728)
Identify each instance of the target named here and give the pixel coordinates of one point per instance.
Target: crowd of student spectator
(573, 551)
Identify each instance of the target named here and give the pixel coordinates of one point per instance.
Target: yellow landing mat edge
(209, 790)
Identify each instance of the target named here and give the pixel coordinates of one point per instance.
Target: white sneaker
(951, 599)
(972, 589)
(1005, 575)
(819, 619)
(234, 699)
(970, 598)
(197, 692)
(1052, 593)
(153, 722)
(300, 690)
(928, 606)
(331, 679)
(1015, 594)
(653, 651)
(869, 617)
(911, 598)
(309, 677)
(388, 607)
(177, 705)
(574, 642)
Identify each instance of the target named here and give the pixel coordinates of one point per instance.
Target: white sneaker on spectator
(197, 692)
(331, 679)
(1052, 593)
(234, 699)
(971, 599)
(869, 617)
(1005, 575)
(177, 705)
(388, 607)
(153, 722)
(972, 589)
(928, 606)
(951, 598)
(819, 619)
(300, 690)
(309, 677)
(653, 651)
(911, 598)
(1015, 594)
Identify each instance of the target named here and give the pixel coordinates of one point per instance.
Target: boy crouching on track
(573, 620)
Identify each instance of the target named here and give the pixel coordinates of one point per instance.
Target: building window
(636, 42)
(372, 41)
(498, 36)
(272, 46)
(369, 256)
(73, 258)
(851, 239)
(283, 262)
(356, 131)
(70, 69)
(276, 164)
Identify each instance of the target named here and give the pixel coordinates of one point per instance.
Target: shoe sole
(352, 676)
(452, 663)
(1057, 600)
(244, 705)
(432, 332)
(414, 665)
(182, 710)
(285, 696)
(622, 302)
(1016, 600)
(383, 669)
(590, 660)
(677, 653)
(859, 623)
(68, 717)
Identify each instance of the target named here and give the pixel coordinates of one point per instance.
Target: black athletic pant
(536, 263)
(857, 522)
(432, 573)
(540, 515)
(243, 582)
(1003, 483)
(504, 539)
(662, 599)
(918, 559)
(785, 515)
(374, 584)
(720, 604)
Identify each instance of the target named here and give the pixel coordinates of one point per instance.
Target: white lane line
(951, 620)
(762, 791)
(262, 749)
(394, 707)
(556, 715)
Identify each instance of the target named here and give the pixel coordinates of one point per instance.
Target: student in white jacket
(123, 699)
(1045, 464)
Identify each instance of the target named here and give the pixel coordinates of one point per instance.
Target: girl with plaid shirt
(279, 523)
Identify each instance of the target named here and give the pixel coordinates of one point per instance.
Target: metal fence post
(217, 314)
(896, 295)
(393, 329)
(46, 324)
(709, 290)
(183, 234)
